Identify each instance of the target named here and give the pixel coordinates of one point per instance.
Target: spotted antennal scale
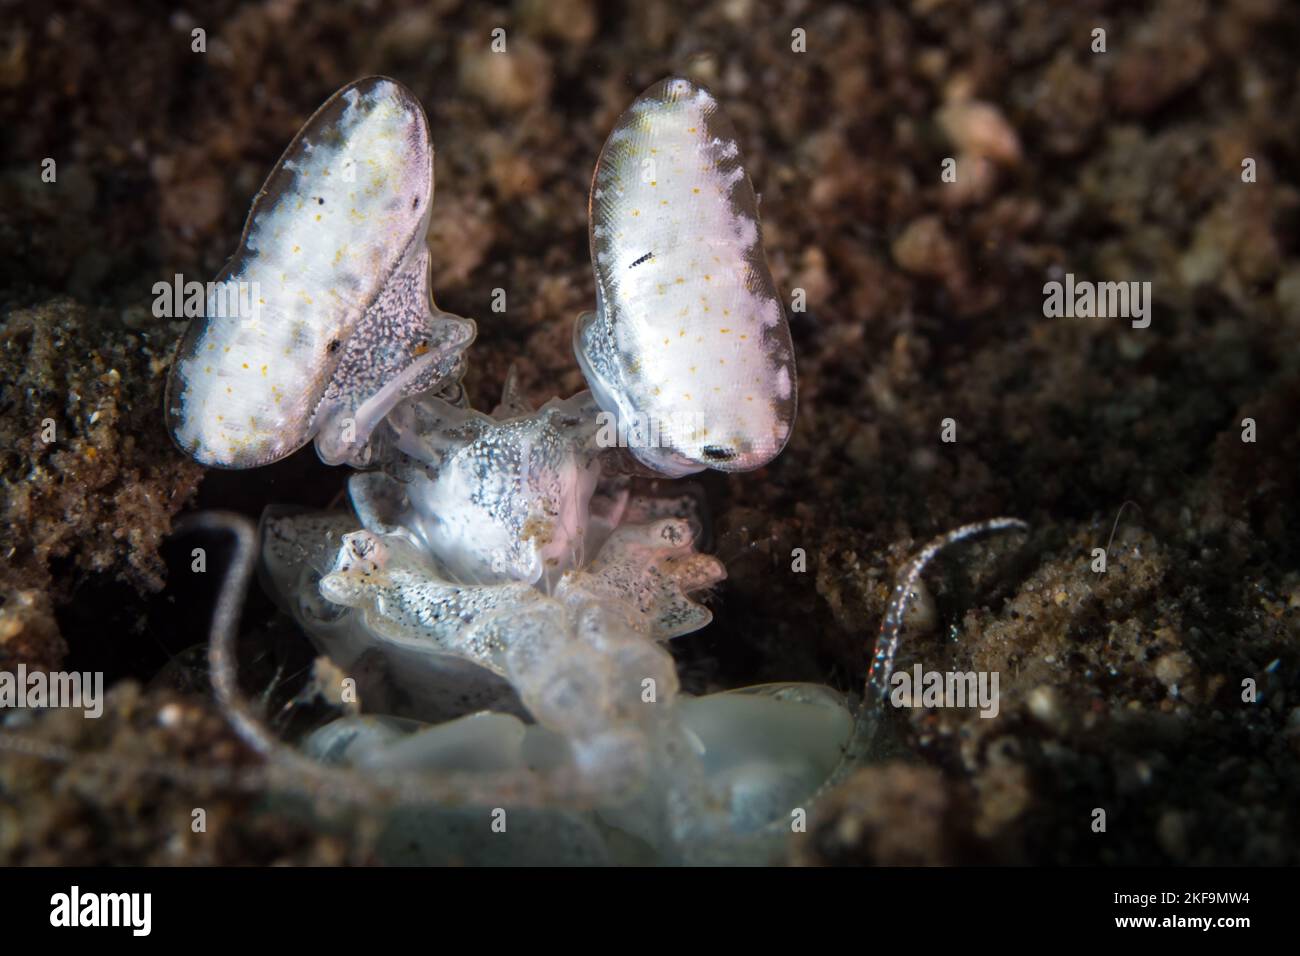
(323, 319)
(689, 340)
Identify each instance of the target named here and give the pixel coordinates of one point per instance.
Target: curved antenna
(223, 635)
(288, 770)
(882, 661)
(293, 770)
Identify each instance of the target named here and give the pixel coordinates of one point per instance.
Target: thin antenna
(288, 770)
(882, 662)
(223, 635)
(1116, 524)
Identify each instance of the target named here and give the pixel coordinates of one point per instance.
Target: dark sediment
(1120, 691)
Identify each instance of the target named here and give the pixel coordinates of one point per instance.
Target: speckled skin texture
(327, 297)
(400, 348)
(483, 515)
(403, 599)
(496, 499)
(924, 300)
(645, 572)
(689, 335)
(494, 540)
(576, 649)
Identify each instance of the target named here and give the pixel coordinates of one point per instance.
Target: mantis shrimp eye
(322, 320)
(689, 342)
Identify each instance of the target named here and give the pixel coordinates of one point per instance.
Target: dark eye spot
(415, 202)
(333, 346)
(714, 453)
(320, 201)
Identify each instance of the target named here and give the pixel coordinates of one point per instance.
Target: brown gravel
(1121, 690)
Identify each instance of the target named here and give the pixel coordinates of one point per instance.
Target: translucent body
(496, 498)
(501, 597)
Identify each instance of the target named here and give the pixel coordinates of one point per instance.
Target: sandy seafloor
(925, 301)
